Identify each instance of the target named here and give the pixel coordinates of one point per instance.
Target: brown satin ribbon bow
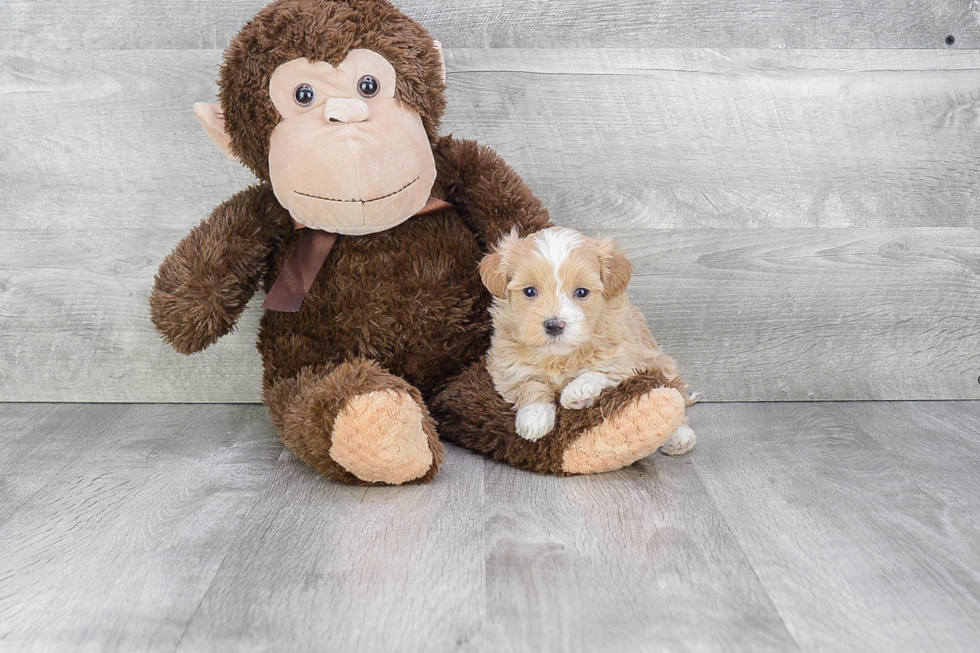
(299, 272)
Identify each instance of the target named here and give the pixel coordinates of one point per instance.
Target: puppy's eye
(582, 293)
(304, 95)
(530, 292)
(368, 86)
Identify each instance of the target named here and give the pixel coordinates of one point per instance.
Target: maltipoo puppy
(563, 326)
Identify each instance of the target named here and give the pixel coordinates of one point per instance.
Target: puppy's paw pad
(577, 403)
(535, 421)
(582, 392)
(680, 442)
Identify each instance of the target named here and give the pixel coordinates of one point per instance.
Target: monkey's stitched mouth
(331, 199)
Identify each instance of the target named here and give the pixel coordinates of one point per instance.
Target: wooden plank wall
(798, 183)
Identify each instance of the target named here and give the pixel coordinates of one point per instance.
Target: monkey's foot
(633, 432)
(380, 437)
(357, 424)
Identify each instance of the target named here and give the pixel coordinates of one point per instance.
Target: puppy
(563, 324)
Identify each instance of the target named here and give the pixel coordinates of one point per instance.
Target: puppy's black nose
(554, 327)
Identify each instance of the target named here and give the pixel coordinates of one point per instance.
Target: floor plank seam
(748, 560)
(259, 494)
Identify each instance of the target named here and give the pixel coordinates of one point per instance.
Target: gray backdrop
(798, 182)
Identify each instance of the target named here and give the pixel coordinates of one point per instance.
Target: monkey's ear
(211, 118)
(442, 59)
(616, 269)
(493, 275)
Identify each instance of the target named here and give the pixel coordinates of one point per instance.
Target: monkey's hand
(495, 199)
(202, 286)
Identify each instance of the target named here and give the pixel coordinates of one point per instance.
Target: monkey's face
(347, 157)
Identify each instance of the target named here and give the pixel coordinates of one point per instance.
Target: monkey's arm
(494, 197)
(204, 284)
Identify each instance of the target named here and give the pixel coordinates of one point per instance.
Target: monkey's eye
(581, 293)
(304, 95)
(368, 86)
(530, 292)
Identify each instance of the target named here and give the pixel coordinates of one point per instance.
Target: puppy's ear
(493, 275)
(616, 269)
(492, 266)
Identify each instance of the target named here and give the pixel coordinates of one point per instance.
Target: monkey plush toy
(366, 229)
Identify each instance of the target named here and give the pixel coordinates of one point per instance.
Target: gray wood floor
(810, 527)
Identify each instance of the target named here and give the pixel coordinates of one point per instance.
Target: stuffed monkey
(365, 228)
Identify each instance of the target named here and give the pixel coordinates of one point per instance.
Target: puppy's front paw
(680, 442)
(582, 391)
(535, 421)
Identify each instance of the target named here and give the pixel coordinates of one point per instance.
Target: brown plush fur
(321, 30)
(409, 297)
(473, 415)
(205, 283)
(402, 309)
(305, 406)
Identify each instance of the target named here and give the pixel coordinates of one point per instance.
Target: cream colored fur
(605, 339)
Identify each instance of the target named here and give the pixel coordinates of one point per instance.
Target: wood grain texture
(41, 442)
(926, 440)
(672, 138)
(818, 314)
(858, 535)
(804, 222)
(757, 139)
(77, 24)
(750, 314)
(319, 566)
(791, 527)
(131, 512)
(634, 560)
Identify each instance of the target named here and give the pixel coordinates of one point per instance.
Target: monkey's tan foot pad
(634, 432)
(379, 438)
